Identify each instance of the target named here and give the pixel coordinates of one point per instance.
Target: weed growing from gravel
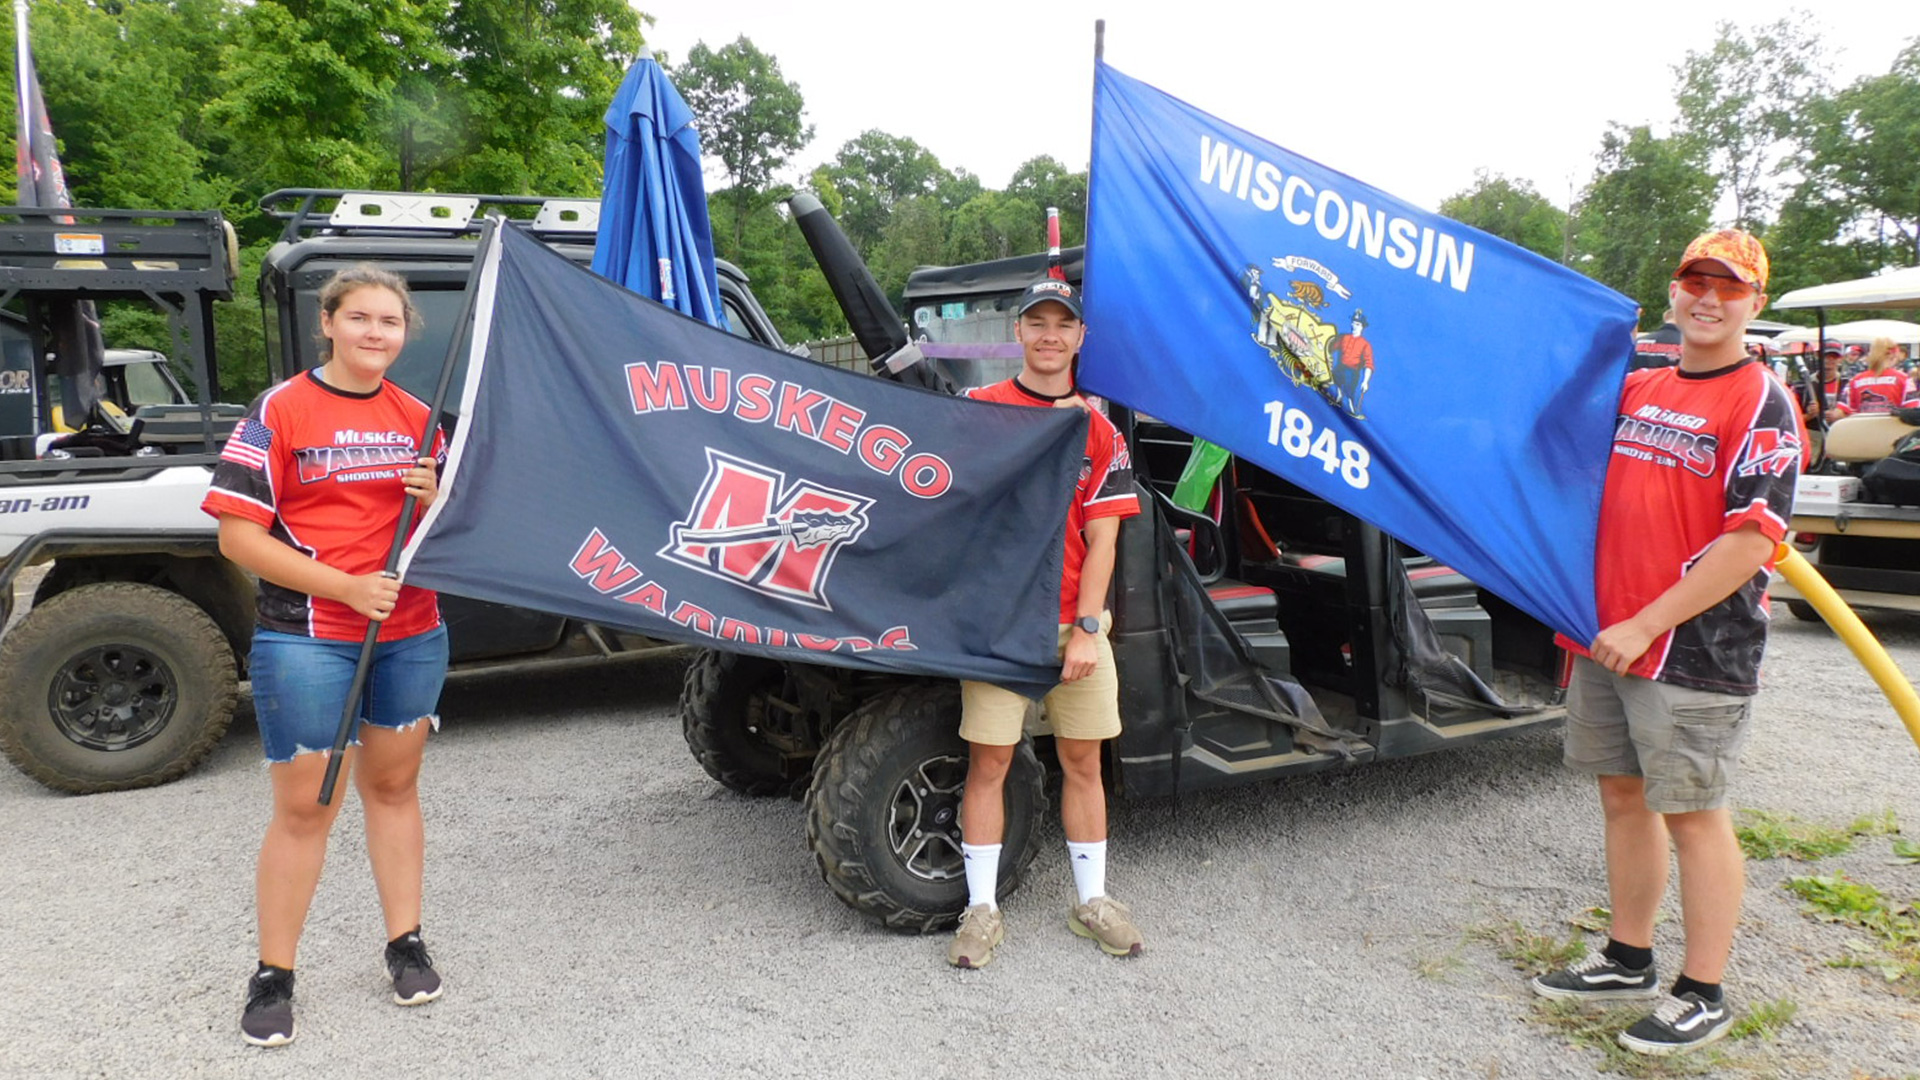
(1906, 851)
(1894, 951)
(1535, 954)
(1594, 920)
(1766, 835)
(1438, 967)
(1764, 1020)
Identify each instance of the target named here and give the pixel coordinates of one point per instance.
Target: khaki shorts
(1087, 708)
(1683, 742)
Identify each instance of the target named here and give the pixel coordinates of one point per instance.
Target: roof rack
(101, 253)
(338, 211)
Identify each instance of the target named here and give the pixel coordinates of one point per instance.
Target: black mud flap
(1217, 666)
(1440, 681)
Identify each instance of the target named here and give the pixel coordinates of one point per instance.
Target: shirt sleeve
(1762, 478)
(1111, 495)
(243, 480)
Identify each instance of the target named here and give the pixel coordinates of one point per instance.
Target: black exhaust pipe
(878, 328)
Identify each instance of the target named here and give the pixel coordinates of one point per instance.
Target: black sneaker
(1678, 1023)
(267, 1019)
(1597, 978)
(414, 980)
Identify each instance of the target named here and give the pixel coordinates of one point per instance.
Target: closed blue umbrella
(654, 237)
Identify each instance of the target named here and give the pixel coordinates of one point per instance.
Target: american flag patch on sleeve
(248, 445)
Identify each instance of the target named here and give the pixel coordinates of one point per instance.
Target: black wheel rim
(924, 822)
(112, 697)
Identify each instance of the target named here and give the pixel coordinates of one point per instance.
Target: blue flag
(1443, 384)
(620, 463)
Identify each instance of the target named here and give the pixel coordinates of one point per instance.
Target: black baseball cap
(1049, 289)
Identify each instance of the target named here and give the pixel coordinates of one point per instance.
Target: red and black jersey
(1695, 456)
(1877, 391)
(321, 469)
(1105, 488)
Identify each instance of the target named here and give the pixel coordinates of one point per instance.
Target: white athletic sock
(983, 873)
(1089, 869)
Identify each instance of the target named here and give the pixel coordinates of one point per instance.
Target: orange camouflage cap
(1739, 250)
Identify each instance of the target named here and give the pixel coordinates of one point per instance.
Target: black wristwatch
(1089, 623)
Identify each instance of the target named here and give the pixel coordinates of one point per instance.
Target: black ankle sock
(266, 967)
(1684, 985)
(397, 940)
(1633, 956)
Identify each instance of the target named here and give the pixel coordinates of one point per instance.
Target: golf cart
(1868, 550)
(1266, 634)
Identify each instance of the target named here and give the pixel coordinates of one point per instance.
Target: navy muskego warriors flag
(1449, 387)
(622, 464)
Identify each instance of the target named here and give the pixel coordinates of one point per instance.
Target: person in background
(308, 492)
(1831, 385)
(1882, 387)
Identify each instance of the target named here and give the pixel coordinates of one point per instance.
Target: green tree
(1865, 152)
(1513, 210)
(874, 172)
(94, 60)
(1648, 198)
(306, 86)
(1817, 239)
(1044, 182)
(995, 225)
(520, 92)
(1740, 104)
(914, 235)
(750, 117)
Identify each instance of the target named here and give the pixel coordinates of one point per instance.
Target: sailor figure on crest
(1308, 348)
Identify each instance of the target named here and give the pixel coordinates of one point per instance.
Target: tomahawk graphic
(806, 529)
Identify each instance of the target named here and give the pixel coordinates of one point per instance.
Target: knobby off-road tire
(726, 706)
(113, 686)
(883, 815)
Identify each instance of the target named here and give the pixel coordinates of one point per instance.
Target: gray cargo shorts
(1683, 742)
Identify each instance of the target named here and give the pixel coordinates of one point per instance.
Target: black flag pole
(348, 712)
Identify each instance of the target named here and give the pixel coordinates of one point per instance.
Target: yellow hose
(1802, 576)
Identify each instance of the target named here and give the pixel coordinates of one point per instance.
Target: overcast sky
(1408, 97)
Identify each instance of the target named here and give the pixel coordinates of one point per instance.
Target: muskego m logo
(750, 526)
(1769, 452)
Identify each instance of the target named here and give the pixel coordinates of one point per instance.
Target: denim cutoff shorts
(300, 686)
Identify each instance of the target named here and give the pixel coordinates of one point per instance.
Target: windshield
(147, 384)
(971, 340)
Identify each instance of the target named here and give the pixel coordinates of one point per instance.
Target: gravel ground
(600, 908)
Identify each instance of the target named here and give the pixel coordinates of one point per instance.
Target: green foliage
(873, 173)
(1864, 151)
(1894, 928)
(1535, 954)
(1767, 835)
(1740, 106)
(1649, 197)
(1764, 1019)
(749, 117)
(1513, 211)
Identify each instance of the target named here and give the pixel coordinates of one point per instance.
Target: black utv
(1266, 633)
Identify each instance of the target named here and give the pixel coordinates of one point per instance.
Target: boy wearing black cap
(1697, 499)
(1084, 709)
